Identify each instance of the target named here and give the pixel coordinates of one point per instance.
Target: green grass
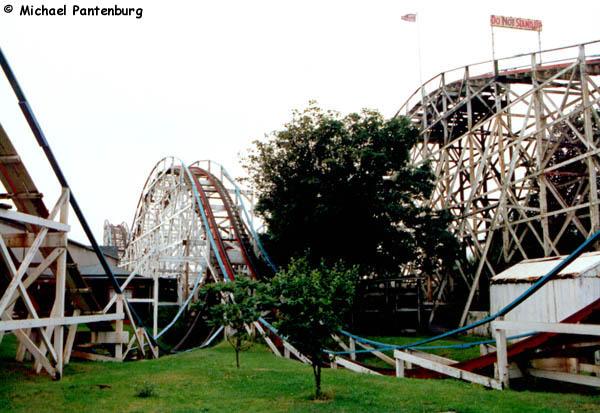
(207, 381)
(451, 353)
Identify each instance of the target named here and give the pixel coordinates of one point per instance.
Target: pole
(540, 44)
(493, 45)
(419, 47)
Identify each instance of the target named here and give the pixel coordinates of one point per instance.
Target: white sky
(202, 80)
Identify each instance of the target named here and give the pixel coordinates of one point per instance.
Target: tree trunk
(317, 373)
(238, 346)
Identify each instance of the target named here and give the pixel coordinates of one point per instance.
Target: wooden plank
(378, 354)
(353, 366)
(448, 370)
(272, 346)
(432, 357)
(70, 339)
(33, 349)
(566, 377)
(110, 337)
(565, 328)
(589, 368)
(25, 240)
(502, 356)
(56, 321)
(296, 353)
(93, 357)
(34, 220)
(399, 368)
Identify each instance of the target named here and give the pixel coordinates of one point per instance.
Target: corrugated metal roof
(587, 265)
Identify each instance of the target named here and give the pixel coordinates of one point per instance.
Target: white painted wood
(448, 370)
(432, 357)
(44, 322)
(70, 339)
(566, 328)
(296, 353)
(378, 354)
(129, 278)
(119, 329)
(501, 356)
(399, 368)
(354, 367)
(272, 346)
(32, 219)
(110, 337)
(352, 348)
(61, 284)
(566, 377)
(33, 349)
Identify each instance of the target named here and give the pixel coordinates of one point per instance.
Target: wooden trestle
(515, 154)
(39, 321)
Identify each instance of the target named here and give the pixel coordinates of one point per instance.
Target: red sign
(516, 23)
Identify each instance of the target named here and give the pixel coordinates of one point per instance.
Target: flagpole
(419, 48)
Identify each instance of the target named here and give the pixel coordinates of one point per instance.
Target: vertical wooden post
(540, 124)
(61, 283)
(399, 368)
(352, 348)
(155, 304)
(589, 137)
(70, 339)
(286, 352)
(21, 349)
(119, 328)
(502, 357)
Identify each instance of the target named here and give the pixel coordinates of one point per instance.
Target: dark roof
(96, 269)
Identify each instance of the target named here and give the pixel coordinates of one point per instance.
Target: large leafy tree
(311, 304)
(343, 188)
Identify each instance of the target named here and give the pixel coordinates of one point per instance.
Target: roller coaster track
(487, 135)
(514, 146)
(188, 226)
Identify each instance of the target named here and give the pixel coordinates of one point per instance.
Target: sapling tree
(240, 304)
(312, 303)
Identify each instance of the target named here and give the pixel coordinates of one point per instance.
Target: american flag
(411, 17)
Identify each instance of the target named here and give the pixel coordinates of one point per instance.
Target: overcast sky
(202, 80)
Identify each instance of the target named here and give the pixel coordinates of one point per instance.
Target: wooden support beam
(448, 370)
(34, 220)
(566, 377)
(70, 339)
(25, 240)
(56, 321)
(502, 356)
(348, 364)
(265, 337)
(93, 357)
(565, 328)
(296, 353)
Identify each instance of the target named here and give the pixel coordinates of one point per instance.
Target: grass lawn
(207, 381)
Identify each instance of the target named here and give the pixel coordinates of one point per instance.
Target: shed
(575, 287)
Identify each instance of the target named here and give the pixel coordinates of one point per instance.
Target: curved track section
(514, 145)
(191, 227)
(187, 225)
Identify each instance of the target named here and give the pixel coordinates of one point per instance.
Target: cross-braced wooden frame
(515, 154)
